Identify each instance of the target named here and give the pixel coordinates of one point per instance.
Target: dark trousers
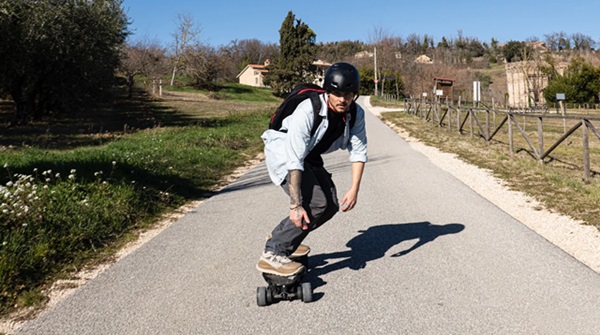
(319, 199)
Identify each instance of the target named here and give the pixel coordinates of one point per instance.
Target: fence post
(562, 110)
(471, 121)
(510, 135)
(494, 112)
(540, 139)
(487, 125)
(586, 152)
(458, 115)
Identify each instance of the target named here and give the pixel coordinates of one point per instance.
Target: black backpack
(288, 106)
(300, 93)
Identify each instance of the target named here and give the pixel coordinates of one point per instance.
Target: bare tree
(186, 36)
(204, 66)
(582, 42)
(240, 53)
(142, 57)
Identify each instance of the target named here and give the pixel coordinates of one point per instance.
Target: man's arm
(298, 214)
(349, 200)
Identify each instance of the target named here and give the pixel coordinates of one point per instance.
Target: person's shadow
(373, 243)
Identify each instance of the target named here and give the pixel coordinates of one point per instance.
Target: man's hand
(298, 214)
(349, 200)
(299, 217)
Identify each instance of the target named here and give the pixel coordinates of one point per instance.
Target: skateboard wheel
(299, 292)
(306, 290)
(261, 296)
(269, 296)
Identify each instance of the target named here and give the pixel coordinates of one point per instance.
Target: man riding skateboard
(293, 158)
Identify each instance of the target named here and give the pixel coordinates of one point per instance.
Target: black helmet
(342, 77)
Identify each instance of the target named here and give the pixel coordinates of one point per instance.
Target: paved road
(421, 254)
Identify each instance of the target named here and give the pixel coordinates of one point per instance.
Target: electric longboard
(284, 288)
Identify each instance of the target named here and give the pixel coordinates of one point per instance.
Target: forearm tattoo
(295, 177)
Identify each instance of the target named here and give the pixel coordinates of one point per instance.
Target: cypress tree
(297, 52)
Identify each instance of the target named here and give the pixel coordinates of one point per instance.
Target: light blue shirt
(285, 151)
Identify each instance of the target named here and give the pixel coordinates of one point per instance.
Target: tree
(187, 35)
(141, 58)
(580, 83)
(339, 51)
(295, 62)
(204, 66)
(443, 43)
(239, 53)
(582, 42)
(515, 51)
(59, 55)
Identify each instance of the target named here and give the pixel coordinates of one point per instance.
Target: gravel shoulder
(574, 237)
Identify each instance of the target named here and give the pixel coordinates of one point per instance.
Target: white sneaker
(278, 265)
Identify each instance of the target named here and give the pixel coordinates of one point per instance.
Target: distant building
(253, 74)
(423, 59)
(363, 54)
(321, 69)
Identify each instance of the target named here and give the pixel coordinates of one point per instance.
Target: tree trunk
(16, 94)
(130, 83)
(173, 76)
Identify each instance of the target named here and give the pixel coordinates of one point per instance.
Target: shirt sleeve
(357, 144)
(298, 125)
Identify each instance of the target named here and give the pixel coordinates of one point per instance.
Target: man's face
(340, 101)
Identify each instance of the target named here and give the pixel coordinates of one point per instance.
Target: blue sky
(222, 21)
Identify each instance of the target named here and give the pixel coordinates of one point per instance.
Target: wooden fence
(483, 122)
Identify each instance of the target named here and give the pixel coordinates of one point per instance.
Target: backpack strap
(316, 105)
(352, 111)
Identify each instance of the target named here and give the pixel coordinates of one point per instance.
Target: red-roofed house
(253, 74)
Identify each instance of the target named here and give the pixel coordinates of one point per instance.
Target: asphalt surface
(420, 254)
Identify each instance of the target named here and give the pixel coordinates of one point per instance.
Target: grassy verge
(558, 183)
(70, 197)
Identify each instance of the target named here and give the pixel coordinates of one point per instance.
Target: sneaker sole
(273, 271)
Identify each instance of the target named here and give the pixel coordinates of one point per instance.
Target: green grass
(232, 91)
(70, 198)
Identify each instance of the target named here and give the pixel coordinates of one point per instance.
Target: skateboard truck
(283, 288)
